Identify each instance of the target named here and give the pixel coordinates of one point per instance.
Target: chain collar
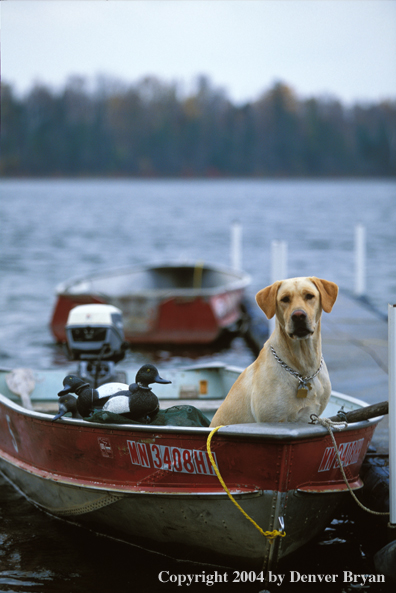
(302, 380)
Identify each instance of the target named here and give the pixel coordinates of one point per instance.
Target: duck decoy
(110, 389)
(137, 403)
(67, 403)
(87, 397)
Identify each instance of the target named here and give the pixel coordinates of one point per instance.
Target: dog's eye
(309, 296)
(285, 299)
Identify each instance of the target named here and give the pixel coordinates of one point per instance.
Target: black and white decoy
(87, 397)
(137, 403)
(67, 403)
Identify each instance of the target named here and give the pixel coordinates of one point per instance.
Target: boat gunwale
(242, 280)
(268, 431)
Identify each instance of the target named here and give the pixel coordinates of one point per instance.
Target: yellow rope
(270, 535)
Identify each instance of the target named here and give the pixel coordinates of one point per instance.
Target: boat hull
(161, 304)
(155, 487)
(203, 528)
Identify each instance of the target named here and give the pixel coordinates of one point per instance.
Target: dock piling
(236, 245)
(392, 412)
(360, 260)
(278, 269)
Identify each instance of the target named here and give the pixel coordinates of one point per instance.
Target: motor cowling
(95, 332)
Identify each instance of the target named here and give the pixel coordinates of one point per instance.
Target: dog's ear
(266, 299)
(328, 292)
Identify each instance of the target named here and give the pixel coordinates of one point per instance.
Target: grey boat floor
(355, 348)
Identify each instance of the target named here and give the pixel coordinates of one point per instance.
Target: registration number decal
(349, 454)
(105, 447)
(172, 459)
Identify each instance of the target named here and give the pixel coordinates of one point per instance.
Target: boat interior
(203, 387)
(195, 277)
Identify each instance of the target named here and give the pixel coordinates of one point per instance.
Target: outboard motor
(95, 337)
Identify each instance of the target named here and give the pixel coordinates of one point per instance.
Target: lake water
(51, 230)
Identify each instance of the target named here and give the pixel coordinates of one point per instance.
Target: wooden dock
(355, 348)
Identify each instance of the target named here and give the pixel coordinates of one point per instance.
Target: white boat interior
(171, 277)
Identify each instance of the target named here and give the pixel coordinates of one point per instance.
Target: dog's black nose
(299, 316)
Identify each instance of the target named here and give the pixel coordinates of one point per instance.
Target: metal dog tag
(303, 389)
(302, 392)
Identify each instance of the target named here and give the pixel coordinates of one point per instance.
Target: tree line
(151, 129)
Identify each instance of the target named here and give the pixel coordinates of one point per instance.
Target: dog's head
(298, 303)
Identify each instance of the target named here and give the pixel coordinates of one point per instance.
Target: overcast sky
(345, 48)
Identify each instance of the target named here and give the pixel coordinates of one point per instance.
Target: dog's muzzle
(300, 326)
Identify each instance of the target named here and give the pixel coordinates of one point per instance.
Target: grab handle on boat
(270, 535)
(362, 413)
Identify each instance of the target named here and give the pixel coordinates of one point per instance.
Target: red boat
(173, 303)
(155, 486)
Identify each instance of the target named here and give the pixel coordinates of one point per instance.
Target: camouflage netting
(174, 416)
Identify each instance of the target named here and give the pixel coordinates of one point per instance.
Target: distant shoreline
(148, 131)
(120, 177)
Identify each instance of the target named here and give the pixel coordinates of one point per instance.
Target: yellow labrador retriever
(289, 380)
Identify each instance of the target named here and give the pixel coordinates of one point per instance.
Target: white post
(278, 269)
(236, 245)
(392, 411)
(278, 260)
(360, 260)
